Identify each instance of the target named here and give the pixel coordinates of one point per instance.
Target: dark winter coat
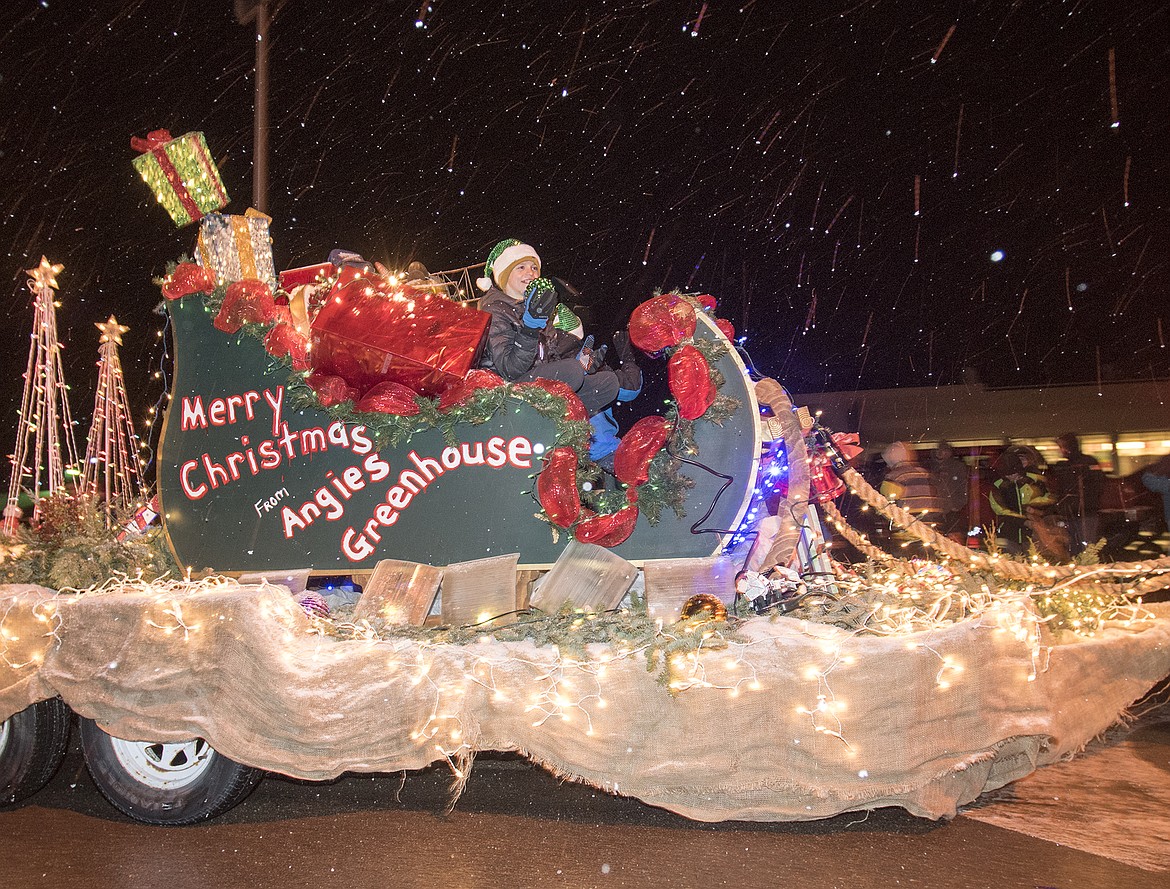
(1076, 485)
(513, 349)
(950, 477)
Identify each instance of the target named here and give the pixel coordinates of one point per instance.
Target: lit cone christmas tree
(45, 449)
(111, 476)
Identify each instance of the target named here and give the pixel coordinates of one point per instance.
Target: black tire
(32, 746)
(166, 784)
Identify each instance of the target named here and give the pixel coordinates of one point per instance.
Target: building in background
(1124, 425)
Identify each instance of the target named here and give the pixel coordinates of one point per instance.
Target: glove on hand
(628, 374)
(621, 345)
(591, 359)
(540, 301)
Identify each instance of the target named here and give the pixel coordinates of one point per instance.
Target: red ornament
(607, 530)
(662, 322)
(313, 603)
(726, 328)
(707, 301)
(823, 482)
(574, 409)
(331, 390)
(474, 381)
(187, 278)
(631, 461)
(389, 398)
(556, 487)
(690, 382)
(284, 339)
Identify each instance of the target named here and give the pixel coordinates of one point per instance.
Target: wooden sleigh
(248, 484)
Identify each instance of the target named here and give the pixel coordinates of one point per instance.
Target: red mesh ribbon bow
(187, 278)
(556, 487)
(474, 381)
(848, 444)
(285, 339)
(631, 461)
(246, 302)
(662, 322)
(331, 390)
(574, 409)
(612, 529)
(690, 382)
(389, 397)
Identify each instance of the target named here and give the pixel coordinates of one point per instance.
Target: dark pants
(954, 522)
(1083, 531)
(1159, 484)
(596, 390)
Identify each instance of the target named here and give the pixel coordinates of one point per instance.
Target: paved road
(1101, 821)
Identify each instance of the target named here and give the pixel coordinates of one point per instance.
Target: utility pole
(249, 12)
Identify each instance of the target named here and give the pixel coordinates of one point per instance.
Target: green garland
(73, 548)
(570, 631)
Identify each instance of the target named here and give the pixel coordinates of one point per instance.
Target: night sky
(840, 178)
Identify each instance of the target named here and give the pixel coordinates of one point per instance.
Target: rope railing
(1156, 571)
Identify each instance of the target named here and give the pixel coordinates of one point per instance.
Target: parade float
(669, 627)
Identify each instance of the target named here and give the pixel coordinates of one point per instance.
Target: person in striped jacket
(909, 485)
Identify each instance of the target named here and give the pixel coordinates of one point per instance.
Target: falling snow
(871, 189)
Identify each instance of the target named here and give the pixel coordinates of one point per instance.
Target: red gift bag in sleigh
(370, 331)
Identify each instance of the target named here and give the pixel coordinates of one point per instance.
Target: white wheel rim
(5, 731)
(164, 766)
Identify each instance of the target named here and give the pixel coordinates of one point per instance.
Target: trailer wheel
(164, 783)
(32, 745)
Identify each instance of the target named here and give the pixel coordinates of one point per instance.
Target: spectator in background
(1030, 458)
(1017, 497)
(1076, 483)
(951, 477)
(1157, 479)
(908, 485)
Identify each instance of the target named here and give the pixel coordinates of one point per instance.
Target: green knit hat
(505, 256)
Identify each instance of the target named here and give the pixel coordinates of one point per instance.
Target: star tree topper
(46, 273)
(111, 330)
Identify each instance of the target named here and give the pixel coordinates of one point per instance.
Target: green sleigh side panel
(235, 462)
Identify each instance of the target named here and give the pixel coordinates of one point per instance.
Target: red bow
(847, 443)
(154, 139)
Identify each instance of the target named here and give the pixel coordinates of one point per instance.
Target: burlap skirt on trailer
(799, 721)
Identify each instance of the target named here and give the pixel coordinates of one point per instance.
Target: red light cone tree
(111, 475)
(45, 447)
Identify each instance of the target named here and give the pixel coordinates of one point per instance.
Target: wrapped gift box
(369, 331)
(181, 174)
(237, 248)
(320, 273)
(142, 519)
